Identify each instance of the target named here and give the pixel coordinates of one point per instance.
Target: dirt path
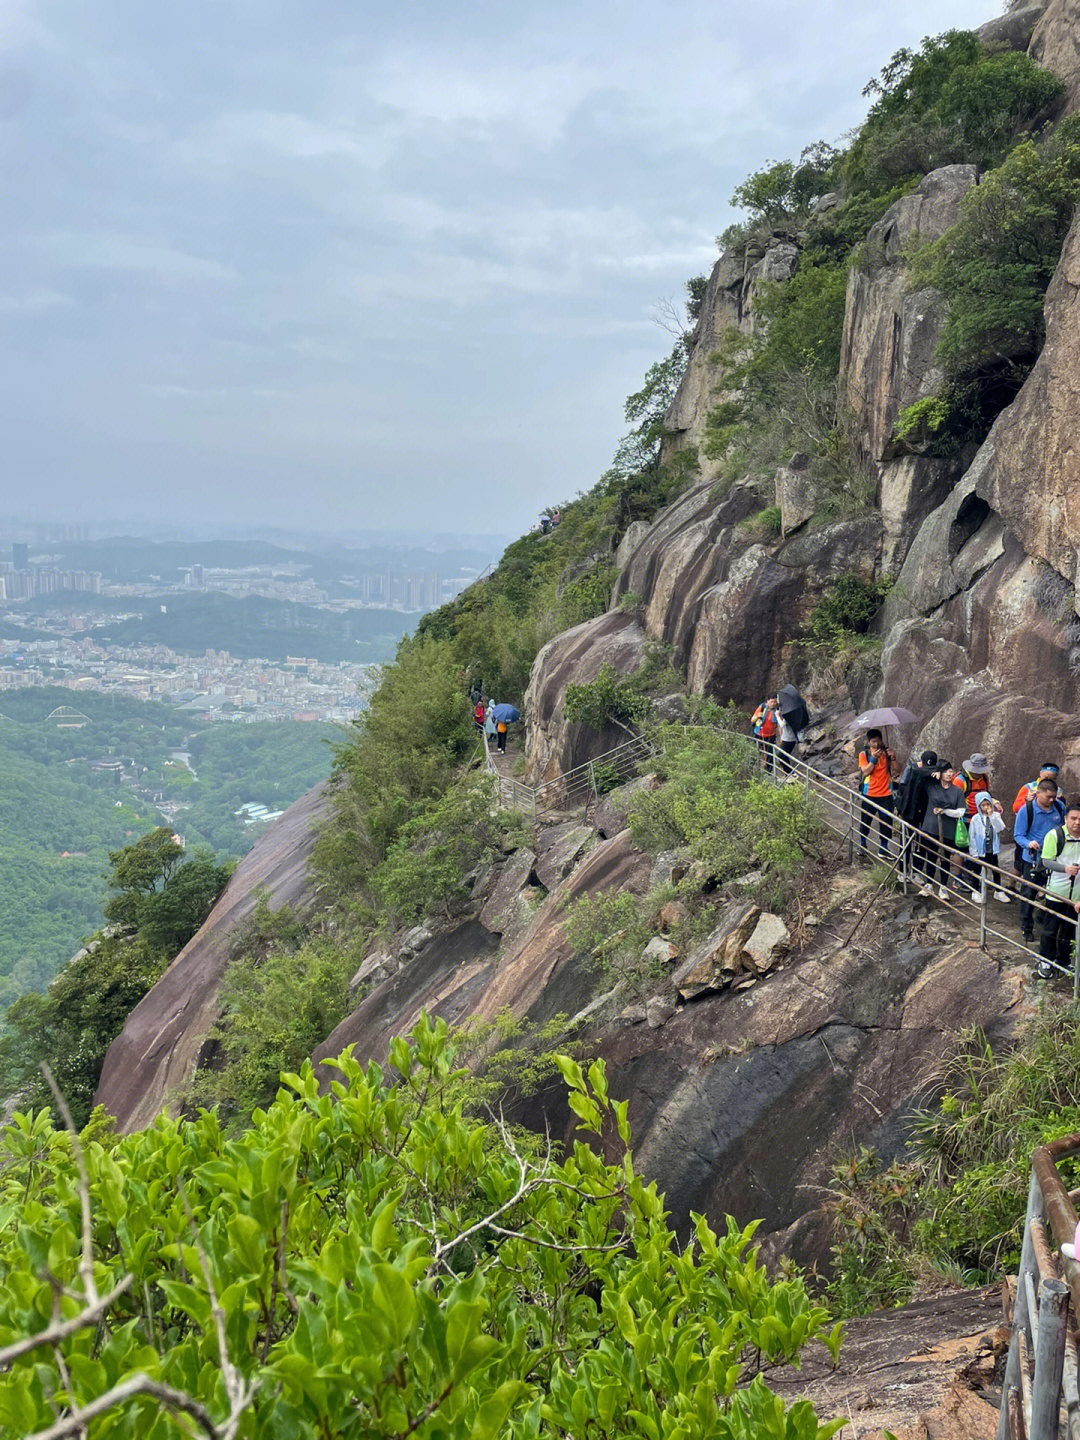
(925, 1371)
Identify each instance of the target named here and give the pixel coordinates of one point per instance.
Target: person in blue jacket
(1034, 821)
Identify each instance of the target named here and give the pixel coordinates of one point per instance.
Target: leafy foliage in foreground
(374, 1263)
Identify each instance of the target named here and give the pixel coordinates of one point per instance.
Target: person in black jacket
(912, 786)
(945, 805)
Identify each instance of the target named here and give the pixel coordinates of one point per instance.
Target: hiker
(490, 729)
(877, 765)
(764, 726)
(910, 790)
(555, 518)
(944, 807)
(794, 717)
(1034, 821)
(1061, 859)
(973, 778)
(985, 830)
(545, 523)
(1049, 770)
(479, 715)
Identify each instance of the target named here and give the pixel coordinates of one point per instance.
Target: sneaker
(943, 892)
(1044, 971)
(926, 891)
(1003, 896)
(975, 894)
(1028, 935)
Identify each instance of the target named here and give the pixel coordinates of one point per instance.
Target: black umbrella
(793, 708)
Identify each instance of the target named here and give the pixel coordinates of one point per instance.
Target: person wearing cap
(985, 830)
(1034, 821)
(1048, 770)
(911, 788)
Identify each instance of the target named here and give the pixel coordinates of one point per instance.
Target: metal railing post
(1076, 959)
(851, 829)
(1049, 1359)
(1011, 1383)
(984, 891)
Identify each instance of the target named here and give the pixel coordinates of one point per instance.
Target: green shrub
(610, 698)
(994, 265)
(949, 101)
(425, 868)
(718, 806)
(847, 609)
(375, 1262)
(955, 1205)
(275, 1009)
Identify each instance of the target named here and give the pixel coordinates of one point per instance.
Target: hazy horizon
(274, 261)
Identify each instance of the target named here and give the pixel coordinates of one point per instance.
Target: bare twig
(139, 1384)
(86, 1263)
(62, 1329)
(239, 1393)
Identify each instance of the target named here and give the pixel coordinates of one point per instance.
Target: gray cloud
(360, 270)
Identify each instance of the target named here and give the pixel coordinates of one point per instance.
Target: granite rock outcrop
(156, 1053)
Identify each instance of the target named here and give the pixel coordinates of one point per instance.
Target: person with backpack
(764, 726)
(490, 729)
(877, 766)
(985, 829)
(479, 715)
(945, 805)
(1048, 770)
(1061, 861)
(1034, 821)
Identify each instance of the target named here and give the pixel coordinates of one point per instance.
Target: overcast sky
(330, 264)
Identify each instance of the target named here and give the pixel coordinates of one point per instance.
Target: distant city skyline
(343, 269)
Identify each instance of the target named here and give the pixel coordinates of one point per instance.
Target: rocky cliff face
(981, 636)
(158, 1049)
(737, 1080)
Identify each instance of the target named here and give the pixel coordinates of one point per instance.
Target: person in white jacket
(985, 829)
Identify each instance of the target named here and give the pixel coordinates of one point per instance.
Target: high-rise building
(20, 556)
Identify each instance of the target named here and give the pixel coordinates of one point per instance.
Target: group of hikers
(493, 720)
(961, 830)
(549, 520)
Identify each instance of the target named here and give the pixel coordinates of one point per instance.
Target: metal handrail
(1041, 1371)
(572, 785)
(843, 813)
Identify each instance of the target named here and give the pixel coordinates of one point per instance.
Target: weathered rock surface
(922, 1371)
(457, 974)
(1013, 30)
(553, 744)
(767, 943)
(156, 1053)
(714, 963)
(1056, 44)
(515, 877)
(727, 305)
(558, 849)
(1029, 467)
(890, 334)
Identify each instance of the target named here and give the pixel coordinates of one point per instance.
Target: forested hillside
(60, 816)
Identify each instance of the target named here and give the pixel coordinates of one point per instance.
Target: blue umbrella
(507, 713)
